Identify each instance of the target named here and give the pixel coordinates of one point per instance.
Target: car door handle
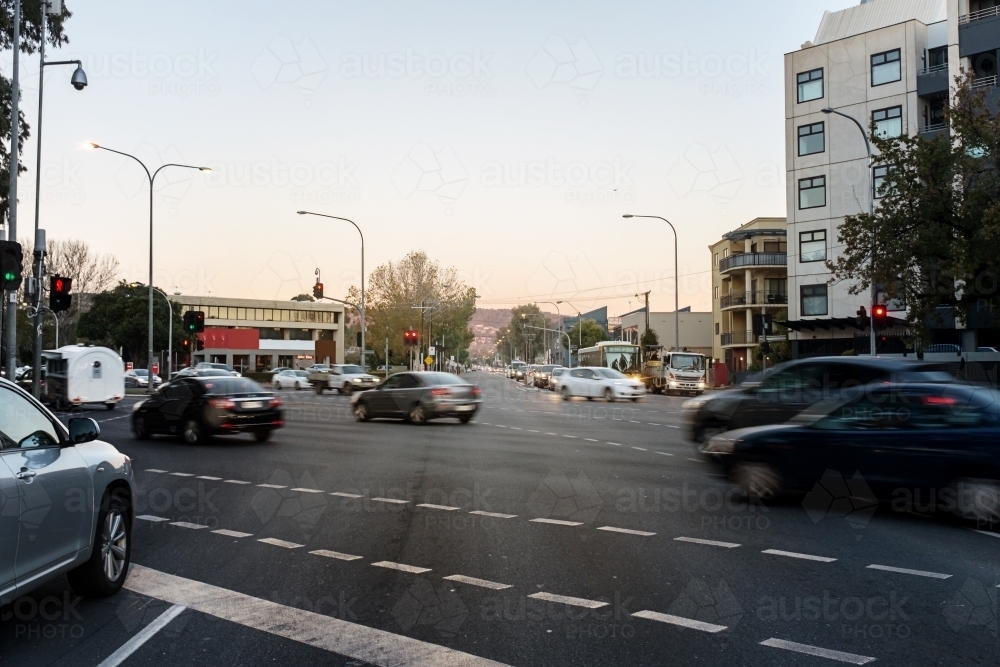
(25, 474)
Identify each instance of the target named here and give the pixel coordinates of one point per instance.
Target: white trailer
(83, 374)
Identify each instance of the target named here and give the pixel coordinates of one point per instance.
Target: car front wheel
(263, 436)
(139, 428)
(565, 393)
(361, 412)
(105, 572)
(191, 432)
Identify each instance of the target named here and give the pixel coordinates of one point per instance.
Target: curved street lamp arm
(141, 163)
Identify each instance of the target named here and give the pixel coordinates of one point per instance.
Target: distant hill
(485, 324)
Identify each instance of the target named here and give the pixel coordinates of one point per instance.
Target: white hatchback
(597, 382)
(291, 379)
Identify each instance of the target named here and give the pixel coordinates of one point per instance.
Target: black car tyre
(417, 415)
(319, 389)
(361, 412)
(110, 406)
(708, 430)
(105, 572)
(565, 393)
(757, 480)
(978, 500)
(465, 419)
(609, 395)
(263, 435)
(139, 428)
(191, 432)
(346, 389)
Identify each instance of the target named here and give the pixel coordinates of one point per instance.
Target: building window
(879, 176)
(716, 328)
(716, 292)
(286, 360)
(300, 334)
(886, 67)
(814, 300)
(725, 253)
(241, 362)
(812, 246)
(812, 139)
(810, 85)
(325, 334)
(715, 259)
(937, 58)
(888, 122)
(270, 333)
(812, 192)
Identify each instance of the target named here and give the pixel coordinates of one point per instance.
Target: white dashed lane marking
(616, 444)
(482, 583)
(346, 495)
(234, 481)
(212, 479)
(401, 567)
(558, 522)
(150, 517)
(182, 474)
(272, 486)
(495, 515)
(792, 554)
(334, 554)
(903, 570)
(711, 543)
(154, 470)
(439, 507)
(231, 533)
(640, 449)
(817, 651)
(185, 524)
(590, 439)
(565, 599)
(309, 490)
(391, 500)
(679, 620)
(665, 453)
(612, 529)
(280, 543)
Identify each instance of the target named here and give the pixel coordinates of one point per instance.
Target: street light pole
(871, 214)
(364, 359)
(170, 336)
(15, 132)
(152, 179)
(579, 327)
(677, 283)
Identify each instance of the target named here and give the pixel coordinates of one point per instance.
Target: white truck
(342, 378)
(77, 375)
(674, 372)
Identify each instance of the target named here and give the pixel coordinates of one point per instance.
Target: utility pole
(15, 131)
(36, 363)
(646, 295)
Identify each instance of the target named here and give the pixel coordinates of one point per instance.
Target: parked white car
(291, 379)
(596, 382)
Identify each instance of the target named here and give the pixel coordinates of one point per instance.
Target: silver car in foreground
(65, 502)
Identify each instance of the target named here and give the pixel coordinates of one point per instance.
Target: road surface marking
(515, 428)
(309, 490)
(182, 474)
(817, 651)
(696, 460)
(213, 479)
(234, 481)
(334, 554)
(985, 532)
(439, 507)
(792, 554)
(640, 449)
(185, 524)
(280, 543)
(272, 486)
(391, 500)
(500, 426)
(495, 515)
(346, 495)
(482, 583)
(652, 424)
(612, 529)
(590, 439)
(353, 640)
(232, 533)
(154, 470)
(150, 517)
(632, 421)
(558, 522)
(551, 434)
(531, 430)
(569, 436)
(143, 636)
(665, 453)
(679, 620)
(401, 567)
(672, 426)
(903, 570)
(711, 543)
(616, 444)
(564, 599)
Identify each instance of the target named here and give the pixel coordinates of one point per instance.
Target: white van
(80, 374)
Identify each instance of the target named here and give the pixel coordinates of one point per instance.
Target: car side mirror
(83, 429)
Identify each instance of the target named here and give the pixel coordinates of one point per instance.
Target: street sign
(156, 368)
(431, 351)
(429, 360)
(128, 365)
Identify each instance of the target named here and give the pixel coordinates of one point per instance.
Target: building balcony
(752, 259)
(738, 339)
(747, 299)
(933, 81)
(929, 131)
(979, 32)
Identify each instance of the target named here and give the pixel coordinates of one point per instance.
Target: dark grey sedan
(418, 397)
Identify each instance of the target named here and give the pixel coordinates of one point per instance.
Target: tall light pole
(15, 132)
(677, 282)
(559, 312)
(170, 335)
(579, 327)
(871, 213)
(364, 360)
(152, 179)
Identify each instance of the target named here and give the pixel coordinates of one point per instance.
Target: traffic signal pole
(15, 133)
(36, 362)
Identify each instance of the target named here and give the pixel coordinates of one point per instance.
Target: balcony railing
(931, 129)
(931, 70)
(981, 14)
(759, 298)
(738, 338)
(753, 259)
(984, 82)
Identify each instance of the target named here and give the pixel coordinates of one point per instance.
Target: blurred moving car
(207, 366)
(139, 377)
(791, 388)
(944, 347)
(517, 370)
(543, 375)
(342, 378)
(597, 382)
(87, 536)
(289, 379)
(418, 397)
(988, 349)
(196, 408)
(936, 443)
(275, 371)
(556, 376)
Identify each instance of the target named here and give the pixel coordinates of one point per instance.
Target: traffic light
(60, 298)
(318, 290)
(863, 320)
(194, 321)
(189, 322)
(880, 317)
(201, 345)
(10, 265)
(410, 337)
(359, 339)
(186, 344)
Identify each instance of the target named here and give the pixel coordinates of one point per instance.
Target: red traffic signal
(318, 291)
(60, 298)
(410, 337)
(880, 316)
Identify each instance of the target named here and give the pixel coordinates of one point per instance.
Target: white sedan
(596, 382)
(291, 379)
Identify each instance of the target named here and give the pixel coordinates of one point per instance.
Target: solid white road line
(280, 543)
(564, 599)
(182, 474)
(439, 507)
(679, 620)
(792, 554)
(185, 524)
(711, 543)
(309, 490)
(234, 481)
(495, 515)
(482, 583)
(213, 479)
(412, 569)
(612, 529)
(558, 522)
(141, 637)
(154, 470)
(346, 495)
(985, 532)
(231, 533)
(334, 554)
(903, 570)
(272, 486)
(324, 632)
(150, 517)
(391, 500)
(817, 651)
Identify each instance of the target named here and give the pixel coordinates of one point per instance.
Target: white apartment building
(890, 62)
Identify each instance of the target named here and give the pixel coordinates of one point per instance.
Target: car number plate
(252, 405)
(464, 407)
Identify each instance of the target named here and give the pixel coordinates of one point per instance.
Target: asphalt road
(542, 533)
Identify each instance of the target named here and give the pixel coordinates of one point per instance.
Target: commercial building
(695, 329)
(887, 62)
(255, 335)
(749, 276)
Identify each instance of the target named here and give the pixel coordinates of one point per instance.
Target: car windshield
(300, 374)
(232, 386)
(687, 362)
(611, 373)
(141, 372)
(351, 370)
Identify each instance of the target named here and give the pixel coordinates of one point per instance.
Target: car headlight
(356, 380)
(720, 445)
(138, 404)
(694, 403)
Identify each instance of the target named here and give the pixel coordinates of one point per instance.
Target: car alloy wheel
(757, 480)
(361, 412)
(139, 427)
(609, 395)
(565, 393)
(114, 545)
(417, 415)
(978, 500)
(191, 433)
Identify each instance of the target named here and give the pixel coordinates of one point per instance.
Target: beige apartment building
(749, 275)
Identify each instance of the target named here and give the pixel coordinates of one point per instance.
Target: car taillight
(275, 403)
(441, 391)
(476, 392)
(221, 403)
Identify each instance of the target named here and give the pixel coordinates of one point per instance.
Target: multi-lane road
(542, 533)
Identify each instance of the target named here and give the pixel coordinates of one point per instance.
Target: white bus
(621, 356)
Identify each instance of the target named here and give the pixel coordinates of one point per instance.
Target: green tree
(935, 236)
(593, 333)
(649, 339)
(118, 318)
(518, 339)
(302, 297)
